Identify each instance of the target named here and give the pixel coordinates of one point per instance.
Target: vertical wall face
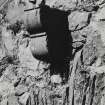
(28, 82)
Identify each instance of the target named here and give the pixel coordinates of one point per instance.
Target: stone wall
(26, 81)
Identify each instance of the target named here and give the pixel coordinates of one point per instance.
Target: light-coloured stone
(2, 53)
(20, 89)
(26, 58)
(103, 100)
(4, 102)
(56, 79)
(78, 20)
(24, 98)
(95, 69)
(6, 89)
(98, 23)
(62, 4)
(12, 100)
(8, 41)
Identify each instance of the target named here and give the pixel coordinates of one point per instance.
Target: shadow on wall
(59, 40)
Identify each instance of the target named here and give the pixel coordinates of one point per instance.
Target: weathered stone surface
(99, 23)
(26, 58)
(63, 5)
(4, 102)
(20, 89)
(25, 55)
(24, 98)
(27, 81)
(6, 89)
(12, 100)
(56, 79)
(78, 20)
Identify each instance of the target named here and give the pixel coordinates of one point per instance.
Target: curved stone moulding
(38, 47)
